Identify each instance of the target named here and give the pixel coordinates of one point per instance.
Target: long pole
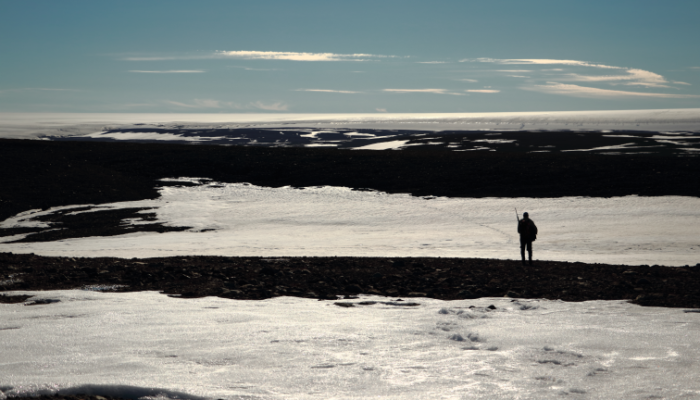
(517, 215)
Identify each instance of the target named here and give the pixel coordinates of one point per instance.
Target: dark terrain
(43, 174)
(328, 278)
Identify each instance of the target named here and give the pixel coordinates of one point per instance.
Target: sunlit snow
(143, 344)
(148, 136)
(246, 220)
(33, 125)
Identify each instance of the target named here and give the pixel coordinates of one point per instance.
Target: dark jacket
(527, 230)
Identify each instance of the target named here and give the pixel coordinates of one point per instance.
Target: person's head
(526, 215)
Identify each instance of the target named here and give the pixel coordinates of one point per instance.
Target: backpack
(533, 231)
(529, 229)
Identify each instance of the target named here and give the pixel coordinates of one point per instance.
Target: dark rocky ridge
(43, 174)
(326, 278)
(608, 142)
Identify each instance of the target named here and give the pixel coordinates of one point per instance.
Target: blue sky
(348, 56)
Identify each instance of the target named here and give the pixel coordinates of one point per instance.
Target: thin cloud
(264, 55)
(538, 61)
(483, 91)
(516, 71)
(634, 77)
(431, 62)
(326, 91)
(682, 83)
(255, 69)
(203, 103)
(217, 104)
(279, 106)
(468, 80)
(596, 93)
(39, 90)
(293, 56)
(624, 76)
(434, 91)
(133, 105)
(170, 71)
(381, 109)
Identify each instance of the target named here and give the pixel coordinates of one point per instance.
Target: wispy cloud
(38, 90)
(279, 106)
(326, 91)
(483, 91)
(255, 69)
(537, 61)
(294, 56)
(433, 91)
(633, 77)
(381, 109)
(204, 103)
(622, 76)
(217, 104)
(170, 71)
(590, 92)
(431, 62)
(263, 55)
(468, 80)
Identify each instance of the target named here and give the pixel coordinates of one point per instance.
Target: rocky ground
(333, 278)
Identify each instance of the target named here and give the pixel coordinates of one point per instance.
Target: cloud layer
(328, 91)
(555, 76)
(293, 56)
(590, 92)
(433, 91)
(170, 71)
(217, 104)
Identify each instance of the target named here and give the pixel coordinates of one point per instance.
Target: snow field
(36, 125)
(144, 343)
(245, 220)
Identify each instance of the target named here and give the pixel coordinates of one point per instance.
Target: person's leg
(529, 251)
(522, 250)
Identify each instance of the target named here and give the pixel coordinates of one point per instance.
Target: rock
(355, 289)
(467, 294)
(268, 271)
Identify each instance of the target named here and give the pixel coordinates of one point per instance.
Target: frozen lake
(247, 220)
(148, 344)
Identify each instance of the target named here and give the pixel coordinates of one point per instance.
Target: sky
(355, 56)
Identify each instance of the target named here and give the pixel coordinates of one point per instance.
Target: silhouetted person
(528, 234)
